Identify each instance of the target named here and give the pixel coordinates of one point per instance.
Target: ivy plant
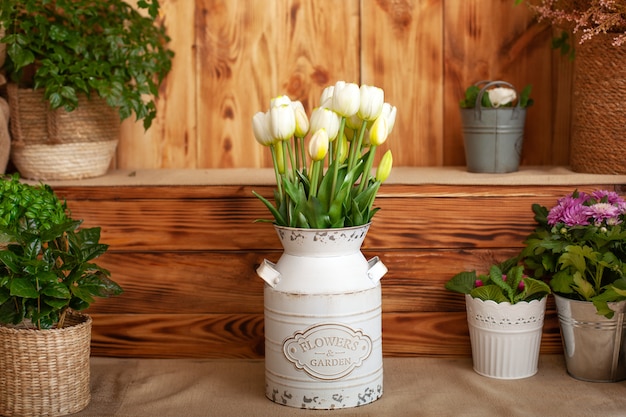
(46, 263)
(107, 47)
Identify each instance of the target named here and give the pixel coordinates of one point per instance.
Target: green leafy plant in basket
(46, 259)
(327, 182)
(505, 283)
(69, 47)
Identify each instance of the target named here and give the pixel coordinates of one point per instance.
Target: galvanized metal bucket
(594, 346)
(323, 338)
(493, 137)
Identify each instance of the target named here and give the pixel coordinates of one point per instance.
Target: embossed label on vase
(328, 351)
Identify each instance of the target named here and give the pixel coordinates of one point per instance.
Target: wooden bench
(185, 247)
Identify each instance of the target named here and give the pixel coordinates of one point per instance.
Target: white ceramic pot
(505, 337)
(323, 341)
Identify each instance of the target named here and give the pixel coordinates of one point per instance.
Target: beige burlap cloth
(413, 387)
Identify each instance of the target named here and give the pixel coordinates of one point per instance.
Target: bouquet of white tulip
(331, 185)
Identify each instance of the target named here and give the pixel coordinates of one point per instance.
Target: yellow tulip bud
(318, 146)
(384, 168)
(378, 131)
(302, 120)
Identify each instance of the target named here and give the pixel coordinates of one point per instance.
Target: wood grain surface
(186, 257)
(233, 56)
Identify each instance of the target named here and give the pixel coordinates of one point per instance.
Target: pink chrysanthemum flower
(569, 210)
(611, 196)
(602, 212)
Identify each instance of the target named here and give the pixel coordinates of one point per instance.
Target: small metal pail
(493, 137)
(593, 345)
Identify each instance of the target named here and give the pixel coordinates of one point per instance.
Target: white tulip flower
(326, 98)
(323, 118)
(389, 112)
(282, 121)
(372, 100)
(261, 129)
(346, 98)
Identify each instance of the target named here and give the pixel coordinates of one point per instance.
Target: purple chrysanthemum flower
(602, 212)
(567, 210)
(611, 196)
(571, 212)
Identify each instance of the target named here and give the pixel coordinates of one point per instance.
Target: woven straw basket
(45, 372)
(599, 102)
(58, 145)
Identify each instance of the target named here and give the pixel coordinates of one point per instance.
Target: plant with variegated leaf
(505, 283)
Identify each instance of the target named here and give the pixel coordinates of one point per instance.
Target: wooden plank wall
(233, 56)
(187, 255)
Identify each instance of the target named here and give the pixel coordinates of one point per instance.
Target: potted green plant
(89, 60)
(47, 275)
(322, 287)
(505, 312)
(493, 116)
(579, 245)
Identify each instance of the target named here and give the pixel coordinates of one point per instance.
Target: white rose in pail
(500, 96)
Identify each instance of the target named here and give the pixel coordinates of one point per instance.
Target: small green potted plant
(579, 246)
(89, 58)
(505, 312)
(493, 115)
(47, 275)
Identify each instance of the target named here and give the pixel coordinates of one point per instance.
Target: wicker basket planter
(45, 372)
(599, 94)
(58, 145)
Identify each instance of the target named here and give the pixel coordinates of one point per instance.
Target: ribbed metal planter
(594, 346)
(493, 137)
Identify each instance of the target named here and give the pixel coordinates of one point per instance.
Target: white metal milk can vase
(323, 338)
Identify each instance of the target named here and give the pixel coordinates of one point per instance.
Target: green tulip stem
(371, 204)
(279, 181)
(368, 167)
(296, 151)
(355, 146)
(315, 170)
(288, 155)
(337, 146)
(302, 155)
